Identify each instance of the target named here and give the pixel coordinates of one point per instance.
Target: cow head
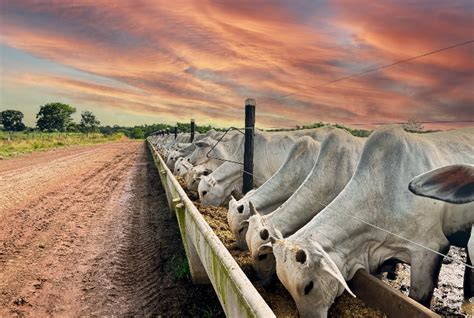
(213, 192)
(172, 158)
(453, 184)
(258, 242)
(202, 148)
(177, 165)
(194, 176)
(310, 275)
(237, 216)
(183, 168)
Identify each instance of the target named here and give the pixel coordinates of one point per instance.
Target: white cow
(182, 167)
(453, 184)
(270, 152)
(182, 150)
(206, 160)
(177, 150)
(335, 165)
(296, 167)
(315, 262)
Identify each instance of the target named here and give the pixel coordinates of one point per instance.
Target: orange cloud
(202, 59)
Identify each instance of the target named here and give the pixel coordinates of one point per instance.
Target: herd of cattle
(326, 204)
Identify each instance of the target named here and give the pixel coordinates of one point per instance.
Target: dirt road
(86, 231)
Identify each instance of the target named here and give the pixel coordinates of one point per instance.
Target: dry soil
(87, 231)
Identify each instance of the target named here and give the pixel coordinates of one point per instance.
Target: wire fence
(328, 207)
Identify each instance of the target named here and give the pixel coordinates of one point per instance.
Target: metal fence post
(175, 132)
(193, 127)
(248, 150)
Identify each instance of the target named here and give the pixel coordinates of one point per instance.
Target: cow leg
(424, 272)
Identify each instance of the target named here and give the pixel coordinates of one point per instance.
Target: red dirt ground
(87, 231)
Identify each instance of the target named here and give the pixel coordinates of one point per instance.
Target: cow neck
(344, 248)
(227, 172)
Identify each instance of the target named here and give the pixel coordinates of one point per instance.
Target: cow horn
(328, 265)
(253, 210)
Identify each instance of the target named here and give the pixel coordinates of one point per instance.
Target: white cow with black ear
(346, 236)
(453, 184)
(335, 165)
(294, 170)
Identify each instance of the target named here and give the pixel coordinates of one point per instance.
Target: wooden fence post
(175, 132)
(193, 127)
(247, 184)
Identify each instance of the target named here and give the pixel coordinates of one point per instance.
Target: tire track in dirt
(138, 271)
(43, 240)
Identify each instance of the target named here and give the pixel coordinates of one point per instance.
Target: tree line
(57, 117)
(52, 117)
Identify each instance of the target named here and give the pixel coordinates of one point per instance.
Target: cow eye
(262, 257)
(264, 234)
(301, 256)
(308, 288)
(240, 209)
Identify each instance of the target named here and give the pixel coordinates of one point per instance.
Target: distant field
(22, 143)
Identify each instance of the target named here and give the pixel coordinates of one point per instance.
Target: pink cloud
(203, 59)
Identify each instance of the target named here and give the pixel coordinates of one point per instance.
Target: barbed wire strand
(328, 207)
(373, 69)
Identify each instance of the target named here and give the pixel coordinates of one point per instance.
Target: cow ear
(328, 265)
(272, 240)
(453, 184)
(244, 223)
(202, 143)
(253, 210)
(265, 248)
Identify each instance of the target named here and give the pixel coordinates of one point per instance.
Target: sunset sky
(136, 62)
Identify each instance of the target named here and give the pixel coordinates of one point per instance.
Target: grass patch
(180, 267)
(209, 312)
(22, 143)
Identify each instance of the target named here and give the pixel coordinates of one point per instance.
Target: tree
(12, 120)
(137, 133)
(54, 116)
(413, 125)
(88, 122)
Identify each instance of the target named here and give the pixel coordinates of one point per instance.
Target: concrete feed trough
(208, 258)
